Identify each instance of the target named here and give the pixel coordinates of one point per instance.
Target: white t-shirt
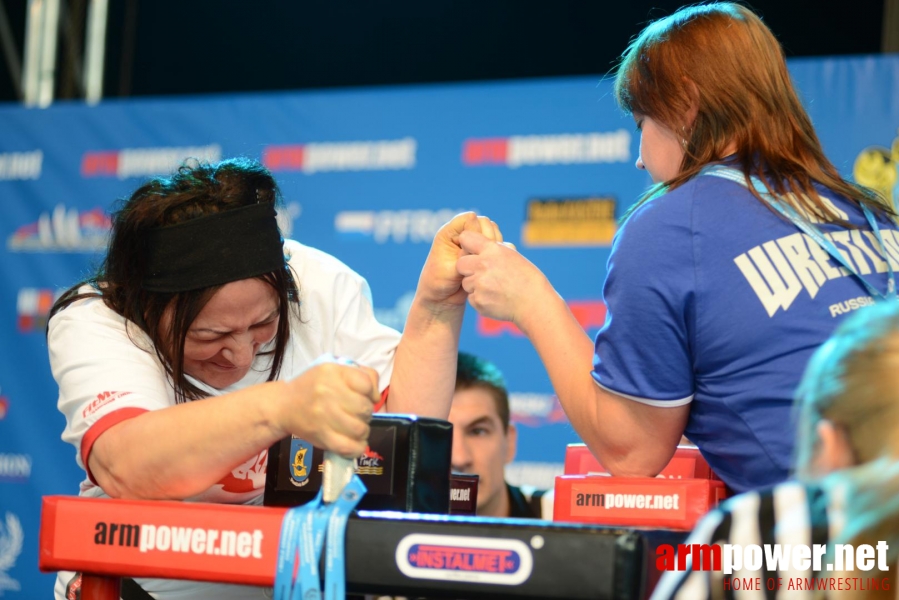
(107, 374)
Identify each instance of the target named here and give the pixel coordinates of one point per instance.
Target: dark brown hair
(474, 372)
(720, 59)
(195, 190)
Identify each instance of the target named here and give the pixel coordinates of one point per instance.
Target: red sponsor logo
(103, 398)
(591, 314)
(485, 151)
(4, 407)
(100, 164)
(283, 158)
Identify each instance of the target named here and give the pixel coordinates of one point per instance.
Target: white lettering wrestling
(779, 270)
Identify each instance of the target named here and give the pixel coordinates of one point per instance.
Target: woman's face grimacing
(661, 150)
(224, 339)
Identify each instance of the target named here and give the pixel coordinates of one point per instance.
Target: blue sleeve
(643, 350)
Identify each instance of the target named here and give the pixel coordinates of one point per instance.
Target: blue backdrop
(367, 175)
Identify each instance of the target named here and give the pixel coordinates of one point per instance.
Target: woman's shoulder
(669, 204)
(668, 213)
(313, 265)
(89, 322)
(88, 307)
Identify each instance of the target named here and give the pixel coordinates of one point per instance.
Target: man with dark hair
(484, 441)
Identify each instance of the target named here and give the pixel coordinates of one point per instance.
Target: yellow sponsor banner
(569, 222)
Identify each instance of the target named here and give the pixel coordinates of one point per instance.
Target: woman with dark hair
(197, 345)
(723, 278)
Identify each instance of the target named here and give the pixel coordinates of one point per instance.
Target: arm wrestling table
(407, 554)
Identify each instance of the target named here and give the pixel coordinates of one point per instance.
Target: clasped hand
(500, 282)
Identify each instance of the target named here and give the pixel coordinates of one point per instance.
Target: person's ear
(511, 443)
(834, 451)
(693, 98)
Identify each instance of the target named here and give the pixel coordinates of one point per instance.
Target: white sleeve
(337, 315)
(100, 369)
(361, 337)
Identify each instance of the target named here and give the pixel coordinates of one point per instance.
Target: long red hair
(720, 60)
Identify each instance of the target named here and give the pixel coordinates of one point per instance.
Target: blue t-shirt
(715, 300)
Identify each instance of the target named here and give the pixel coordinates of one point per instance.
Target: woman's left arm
(424, 371)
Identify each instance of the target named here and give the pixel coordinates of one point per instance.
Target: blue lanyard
(813, 232)
(335, 559)
(302, 537)
(288, 547)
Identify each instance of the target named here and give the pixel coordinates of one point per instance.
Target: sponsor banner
(33, 308)
(878, 167)
(320, 157)
(12, 538)
(15, 467)
(395, 316)
(591, 314)
(4, 407)
(540, 475)
(287, 214)
(565, 222)
(537, 150)
(20, 166)
(144, 162)
(392, 226)
(535, 410)
(63, 230)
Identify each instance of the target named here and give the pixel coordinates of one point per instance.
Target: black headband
(221, 248)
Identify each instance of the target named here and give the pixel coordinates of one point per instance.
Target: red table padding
(203, 542)
(687, 463)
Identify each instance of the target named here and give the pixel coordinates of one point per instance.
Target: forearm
(617, 430)
(181, 451)
(424, 371)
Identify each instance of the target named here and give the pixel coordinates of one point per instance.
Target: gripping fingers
(487, 228)
(361, 380)
(347, 446)
(490, 230)
(373, 378)
(497, 234)
(468, 285)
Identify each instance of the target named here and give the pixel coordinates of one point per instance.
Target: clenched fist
(330, 405)
(440, 283)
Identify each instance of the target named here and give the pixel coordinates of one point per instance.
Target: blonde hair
(853, 381)
(720, 59)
